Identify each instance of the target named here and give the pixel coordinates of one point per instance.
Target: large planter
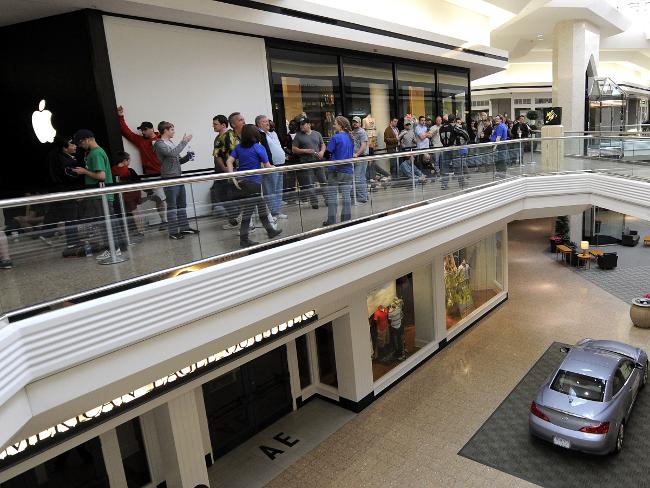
(640, 312)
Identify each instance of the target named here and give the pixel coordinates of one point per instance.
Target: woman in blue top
(340, 177)
(251, 155)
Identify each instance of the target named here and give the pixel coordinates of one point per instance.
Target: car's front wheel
(619, 438)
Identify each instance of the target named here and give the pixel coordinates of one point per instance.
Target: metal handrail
(110, 190)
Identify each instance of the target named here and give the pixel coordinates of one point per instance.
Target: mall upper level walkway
(106, 346)
(42, 279)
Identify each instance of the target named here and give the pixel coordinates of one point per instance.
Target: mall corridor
(411, 435)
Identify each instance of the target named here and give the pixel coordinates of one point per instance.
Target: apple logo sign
(42, 123)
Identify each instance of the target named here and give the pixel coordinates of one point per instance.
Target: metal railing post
(123, 211)
(114, 259)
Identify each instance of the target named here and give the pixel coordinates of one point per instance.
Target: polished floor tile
(411, 435)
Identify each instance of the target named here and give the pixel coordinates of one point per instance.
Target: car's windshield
(579, 385)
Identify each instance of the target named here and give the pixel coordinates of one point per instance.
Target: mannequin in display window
(380, 316)
(368, 124)
(465, 269)
(397, 328)
(374, 353)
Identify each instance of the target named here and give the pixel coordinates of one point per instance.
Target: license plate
(558, 441)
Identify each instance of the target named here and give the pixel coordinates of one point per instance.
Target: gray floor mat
(503, 442)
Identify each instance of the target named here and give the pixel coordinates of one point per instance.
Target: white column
(575, 228)
(203, 422)
(575, 42)
(181, 445)
(152, 445)
(353, 351)
(113, 459)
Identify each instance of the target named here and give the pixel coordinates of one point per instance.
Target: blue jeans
(272, 186)
(445, 163)
(176, 214)
(360, 180)
(405, 168)
(339, 182)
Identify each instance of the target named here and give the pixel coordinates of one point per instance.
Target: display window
(416, 91)
(452, 93)
(394, 335)
(473, 275)
(369, 94)
(305, 85)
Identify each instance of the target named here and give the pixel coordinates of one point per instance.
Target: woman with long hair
(251, 155)
(339, 177)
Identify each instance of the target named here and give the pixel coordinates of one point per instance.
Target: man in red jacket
(150, 164)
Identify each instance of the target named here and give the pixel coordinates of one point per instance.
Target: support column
(181, 445)
(575, 228)
(576, 46)
(113, 459)
(353, 354)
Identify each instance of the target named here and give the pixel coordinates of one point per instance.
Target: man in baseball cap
(150, 164)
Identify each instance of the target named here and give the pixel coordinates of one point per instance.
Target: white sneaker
(273, 219)
(282, 216)
(229, 226)
(107, 254)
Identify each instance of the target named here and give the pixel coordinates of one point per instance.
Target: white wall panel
(185, 76)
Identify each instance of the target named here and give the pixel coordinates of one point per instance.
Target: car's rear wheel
(619, 438)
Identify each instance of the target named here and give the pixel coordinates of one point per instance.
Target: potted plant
(457, 291)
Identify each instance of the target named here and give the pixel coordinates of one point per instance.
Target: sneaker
(231, 224)
(281, 216)
(163, 226)
(176, 237)
(273, 233)
(247, 243)
(361, 203)
(107, 254)
(46, 241)
(273, 219)
(315, 206)
(6, 264)
(190, 231)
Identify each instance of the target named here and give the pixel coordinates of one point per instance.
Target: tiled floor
(412, 434)
(248, 466)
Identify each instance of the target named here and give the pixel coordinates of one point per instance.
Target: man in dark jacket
(61, 160)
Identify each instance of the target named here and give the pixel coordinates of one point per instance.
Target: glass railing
(67, 247)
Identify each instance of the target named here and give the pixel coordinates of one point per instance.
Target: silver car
(586, 403)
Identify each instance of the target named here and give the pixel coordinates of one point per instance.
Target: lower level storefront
(209, 416)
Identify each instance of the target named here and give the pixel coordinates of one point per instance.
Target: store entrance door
(246, 400)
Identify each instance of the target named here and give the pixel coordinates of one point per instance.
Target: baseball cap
(356, 119)
(82, 134)
(303, 120)
(145, 125)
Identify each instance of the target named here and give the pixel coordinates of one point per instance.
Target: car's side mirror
(565, 349)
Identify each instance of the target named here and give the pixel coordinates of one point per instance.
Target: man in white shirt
(272, 182)
(422, 136)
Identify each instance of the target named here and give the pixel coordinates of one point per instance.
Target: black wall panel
(64, 60)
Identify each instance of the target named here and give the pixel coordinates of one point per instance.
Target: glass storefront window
(416, 91)
(473, 276)
(369, 95)
(453, 93)
(326, 355)
(394, 333)
(134, 456)
(305, 84)
(80, 467)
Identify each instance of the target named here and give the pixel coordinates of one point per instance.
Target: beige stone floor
(411, 435)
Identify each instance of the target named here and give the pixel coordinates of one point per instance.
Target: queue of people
(238, 147)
